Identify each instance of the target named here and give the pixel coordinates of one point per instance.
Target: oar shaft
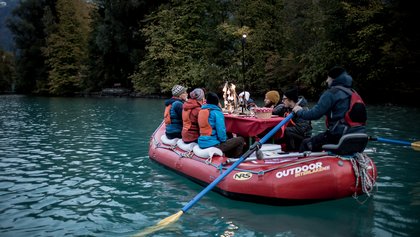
(211, 185)
(234, 165)
(392, 141)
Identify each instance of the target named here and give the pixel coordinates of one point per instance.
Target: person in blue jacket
(173, 112)
(333, 103)
(213, 129)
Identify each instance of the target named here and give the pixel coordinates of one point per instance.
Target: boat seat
(349, 144)
(186, 146)
(170, 142)
(207, 152)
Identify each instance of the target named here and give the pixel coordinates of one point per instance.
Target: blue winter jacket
(217, 123)
(334, 104)
(175, 128)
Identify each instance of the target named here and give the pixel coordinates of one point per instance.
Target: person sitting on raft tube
(213, 130)
(173, 112)
(191, 108)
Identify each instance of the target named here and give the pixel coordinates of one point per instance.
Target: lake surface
(80, 167)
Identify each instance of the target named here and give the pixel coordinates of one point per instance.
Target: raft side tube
(207, 152)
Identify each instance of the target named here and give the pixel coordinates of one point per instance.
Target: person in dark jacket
(333, 103)
(173, 112)
(298, 128)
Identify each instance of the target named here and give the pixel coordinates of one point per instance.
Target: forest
(80, 47)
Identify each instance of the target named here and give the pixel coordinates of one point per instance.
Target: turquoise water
(79, 167)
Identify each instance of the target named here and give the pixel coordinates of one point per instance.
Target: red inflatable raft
(279, 178)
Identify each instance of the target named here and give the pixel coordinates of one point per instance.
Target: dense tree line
(67, 47)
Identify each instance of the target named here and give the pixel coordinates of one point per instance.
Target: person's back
(173, 112)
(212, 123)
(213, 129)
(191, 108)
(333, 103)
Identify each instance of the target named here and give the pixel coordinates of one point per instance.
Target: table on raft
(252, 127)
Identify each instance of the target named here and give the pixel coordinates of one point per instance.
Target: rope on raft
(361, 165)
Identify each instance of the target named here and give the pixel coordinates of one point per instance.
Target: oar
(415, 145)
(169, 220)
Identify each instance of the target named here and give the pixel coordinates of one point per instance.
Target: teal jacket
(217, 123)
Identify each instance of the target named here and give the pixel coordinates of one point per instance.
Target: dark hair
(292, 94)
(212, 98)
(336, 71)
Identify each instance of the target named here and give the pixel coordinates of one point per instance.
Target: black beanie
(336, 71)
(212, 98)
(292, 94)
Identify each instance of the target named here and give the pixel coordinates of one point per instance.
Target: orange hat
(273, 96)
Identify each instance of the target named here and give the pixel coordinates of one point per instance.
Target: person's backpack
(356, 115)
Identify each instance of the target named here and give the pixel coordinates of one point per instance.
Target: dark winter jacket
(334, 104)
(174, 129)
(301, 127)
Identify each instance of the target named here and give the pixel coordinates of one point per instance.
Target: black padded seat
(349, 144)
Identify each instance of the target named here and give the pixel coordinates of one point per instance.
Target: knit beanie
(336, 71)
(177, 90)
(292, 94)
(212, 98)
(197, 94)
(273, 96)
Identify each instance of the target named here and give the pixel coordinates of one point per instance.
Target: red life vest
(190, 129)
(290, 121)
(167, 114)
(356, 115)
(203, 122)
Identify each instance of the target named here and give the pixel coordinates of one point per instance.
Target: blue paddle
(414, 145)
(169, 220)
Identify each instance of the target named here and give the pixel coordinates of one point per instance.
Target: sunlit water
(80, 167)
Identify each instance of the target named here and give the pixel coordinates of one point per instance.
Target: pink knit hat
(197, 94)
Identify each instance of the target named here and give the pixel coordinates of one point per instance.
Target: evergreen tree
(66, 49)
(116, 44)
(183, 39)
(28, 32)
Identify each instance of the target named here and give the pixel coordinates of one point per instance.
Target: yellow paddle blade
(160, 225)
(416, 145)
(171, 219)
